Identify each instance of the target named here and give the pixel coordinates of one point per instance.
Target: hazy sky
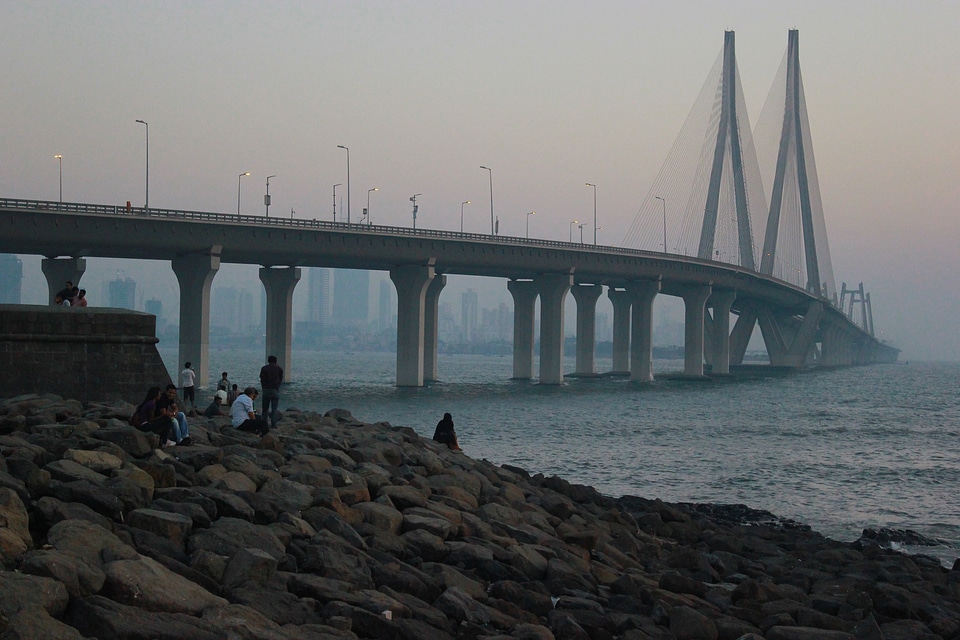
(549, 94)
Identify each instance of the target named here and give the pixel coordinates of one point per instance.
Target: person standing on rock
(242, 415)
(446, 434)
(223, 384)
(188, 378)
(271, 375)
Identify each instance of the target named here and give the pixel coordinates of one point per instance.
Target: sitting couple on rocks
(158, 413)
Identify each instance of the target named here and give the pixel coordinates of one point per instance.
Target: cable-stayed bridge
(710, 257)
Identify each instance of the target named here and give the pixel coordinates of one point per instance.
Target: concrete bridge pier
(694, 303)
(741, 334)
(790, 341)
(195, 274)
(411, 282)
(586, 296)
(524, 294)
(720, 301)
(278, 284)
(553, 288)
(642, 294)
(621, 330)
(431, 325)
(59, 270)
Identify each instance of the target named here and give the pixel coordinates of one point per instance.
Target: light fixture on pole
(492, 230)
(339, 184)
(664, 221)
(60, 159)
(147, 169)
(599, 229)
(530, 213)
(461, 214)
(581, 225)
(590, 184)
(366, 212)
(573, 222)
(245, 173)
(413, 199)
(266, 198)
(340, 146)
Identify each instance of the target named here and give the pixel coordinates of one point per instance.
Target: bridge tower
(728, 142)
(795, 181)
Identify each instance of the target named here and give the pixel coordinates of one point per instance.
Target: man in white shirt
(188, 378)
(242, 415)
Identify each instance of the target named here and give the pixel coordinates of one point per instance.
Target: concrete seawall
(90, 353)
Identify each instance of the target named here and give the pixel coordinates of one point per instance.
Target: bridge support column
(741, 334)
(642, 294)
(411, 282)
(278, 284)
(195, 274)
(431, 325)
(553, 288)
(59, 270)
(694, 303)
(721, 301)
(621, 329)
(524, 294)
(586, 296)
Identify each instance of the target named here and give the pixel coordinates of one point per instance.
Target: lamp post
(581, 225)
(413, 199)
(571, 229)
(531, 213)
(339, 184)
(147, 169)
(366, 212)
(664, 221)
(60, 159)
(492, 230)
(340, 146)
(590, 184)
(245, 173)
(266, 198)
(461, 214)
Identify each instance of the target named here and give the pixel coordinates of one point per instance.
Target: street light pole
(664, 221)
(571, 229)
(492, 231)
(339, 184)
(532, 213)
(461, 214)
(266, 198)
(413, 199)
(590, 184)
(366, 212)
(245, 173)
(147, 170)
(60, 159)
(340, 146)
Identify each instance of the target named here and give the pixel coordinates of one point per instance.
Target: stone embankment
(330, 529)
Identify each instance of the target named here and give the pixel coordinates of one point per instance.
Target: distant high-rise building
(468, 314)
(11, 284)
(351, 292)
(154, 306)
(122, 293)
(385, 317)
(232, 309)
(318, 296)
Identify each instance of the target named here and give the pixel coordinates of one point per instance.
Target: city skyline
(549, 96)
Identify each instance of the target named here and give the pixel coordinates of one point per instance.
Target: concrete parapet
(87, 353)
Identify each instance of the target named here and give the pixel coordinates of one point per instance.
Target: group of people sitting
(159, 413)
(71, 296)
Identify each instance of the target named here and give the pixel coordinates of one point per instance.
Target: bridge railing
(301, 223)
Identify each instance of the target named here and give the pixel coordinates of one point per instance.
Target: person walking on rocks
(188, 377)
(242, 415)
(271, 375)
(446, 434)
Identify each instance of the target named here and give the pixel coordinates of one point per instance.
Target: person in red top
(271, 375)
(81, 299)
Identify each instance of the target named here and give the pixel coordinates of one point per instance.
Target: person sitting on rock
(181, 431)
(219, 399)
(446, 434)
(145, 418)
(242, 415)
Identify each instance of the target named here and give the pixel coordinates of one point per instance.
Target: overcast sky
(550, 95)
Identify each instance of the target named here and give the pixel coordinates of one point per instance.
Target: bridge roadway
(792, 320)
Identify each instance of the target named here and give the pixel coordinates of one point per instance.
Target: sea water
(840, 450)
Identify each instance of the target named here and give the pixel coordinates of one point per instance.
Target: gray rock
(34, 622)
(172, 526)
(98, 498)
(135, 442)
(226, 536)
(79, 578)
(687, 623)
(100, 617)
(249, 566)
(68, 471)
(151, 586)
(20, 591)
(381, 516)
(809, 633)
(89, 542)
(98, 461)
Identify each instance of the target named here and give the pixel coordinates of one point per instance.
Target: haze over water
(840, 450)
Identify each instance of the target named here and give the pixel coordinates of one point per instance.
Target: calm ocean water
(839, 450)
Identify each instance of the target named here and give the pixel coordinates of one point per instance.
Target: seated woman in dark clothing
(445, 433)
(145, 420)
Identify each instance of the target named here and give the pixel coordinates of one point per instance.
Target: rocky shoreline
(330, 528)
